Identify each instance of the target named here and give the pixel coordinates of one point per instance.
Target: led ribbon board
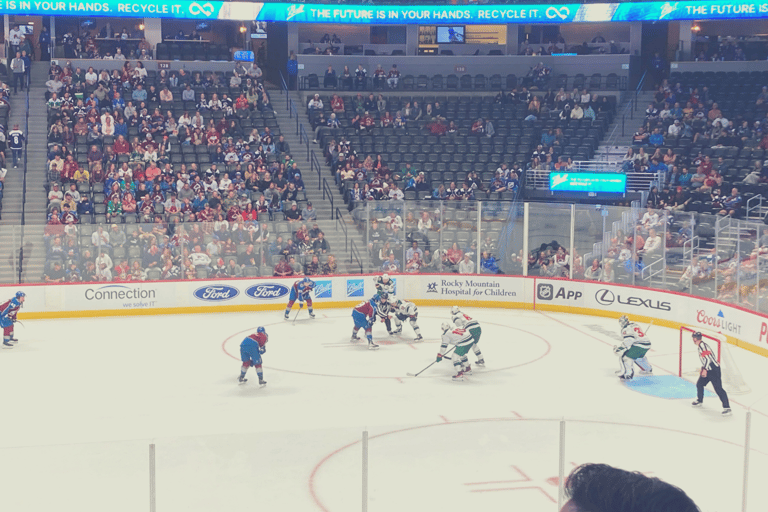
(399, 15)
(597, 182)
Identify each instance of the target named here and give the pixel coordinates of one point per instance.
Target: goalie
(633, 350)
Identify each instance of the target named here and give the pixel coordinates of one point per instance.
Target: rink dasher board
(742, 327)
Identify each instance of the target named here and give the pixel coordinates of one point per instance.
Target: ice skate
(311, 315)
(242, 380)
(262, 383)
(398, 330)
(646, 372)
(696, 403)
(286, 316)
(467, 370)
(726, 412)
(626, 377)
(458, 377)
(372, 346)
(480, 362)
(418, 338)
(355, 338)
(7, 344)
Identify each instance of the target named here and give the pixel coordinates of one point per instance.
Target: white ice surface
(83, 399)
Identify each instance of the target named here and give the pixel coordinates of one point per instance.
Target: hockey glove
(439, 357)
(618, 349)
(262, 350)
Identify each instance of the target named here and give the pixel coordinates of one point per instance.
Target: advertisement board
(743, 327)
(393, 14)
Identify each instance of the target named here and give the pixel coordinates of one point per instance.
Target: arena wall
(744, 328)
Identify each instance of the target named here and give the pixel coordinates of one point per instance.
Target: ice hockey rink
(83, 399)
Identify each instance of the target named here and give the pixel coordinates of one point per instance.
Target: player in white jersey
(384, 284)
(466, 322)
(463, 340)
(404, 310)
(633, 349)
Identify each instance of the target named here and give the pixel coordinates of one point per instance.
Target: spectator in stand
(329, 79)
(391, 265)
(309, 214)
(361, 80)
(283, 268)
(466, 266)
(731, 204)
(393, 77)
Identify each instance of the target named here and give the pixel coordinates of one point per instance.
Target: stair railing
(314, 165)
(328, 192)
(340, 222)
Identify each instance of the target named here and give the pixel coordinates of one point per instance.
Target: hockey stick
(430, 364)
(301, 305)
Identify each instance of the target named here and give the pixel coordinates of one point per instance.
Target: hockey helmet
(623, 321)
(20, 295)
(696, 335)
(398, 303)
(445, 326)
(261, 330)
(385, 277)
(455, 310)
(384, 296)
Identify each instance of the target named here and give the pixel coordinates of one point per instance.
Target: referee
(710, 372)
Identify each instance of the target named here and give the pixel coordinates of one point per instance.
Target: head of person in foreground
(602, 488)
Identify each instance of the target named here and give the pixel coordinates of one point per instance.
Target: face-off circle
(322, 347)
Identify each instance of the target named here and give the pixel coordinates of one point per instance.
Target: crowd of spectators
(412, 244)
(127, 164)
(687, 140)
(370, 176)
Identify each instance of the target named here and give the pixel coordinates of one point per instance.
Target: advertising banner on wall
(580, 297)
(393, 14)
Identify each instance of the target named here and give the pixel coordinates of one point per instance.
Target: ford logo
(216, 292)
(267, 291)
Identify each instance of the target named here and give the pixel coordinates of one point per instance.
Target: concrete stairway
(325, 208)
(37, 175)
(614, 148)
(13, 198)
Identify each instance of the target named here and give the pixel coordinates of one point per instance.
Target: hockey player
(301, 290)
(463, 340)
(251, 349)
(8, 311)
(633, 350)
(464, 321)
(363, 316)
(404, 310)
(384, 284)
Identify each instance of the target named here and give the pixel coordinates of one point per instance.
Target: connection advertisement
(401, 15)
(596, 182)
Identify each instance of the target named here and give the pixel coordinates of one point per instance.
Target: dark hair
(602, 488)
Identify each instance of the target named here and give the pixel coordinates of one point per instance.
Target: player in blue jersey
(8, 311)
(251, 349)
(363, 316)
(301, 290)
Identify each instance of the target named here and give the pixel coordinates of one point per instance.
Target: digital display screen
(446, 35)
(596, 182)
(452, 18)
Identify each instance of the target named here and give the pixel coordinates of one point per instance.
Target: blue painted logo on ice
(216, 292)
(266, 291)
(323, 289)
(355, 287)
